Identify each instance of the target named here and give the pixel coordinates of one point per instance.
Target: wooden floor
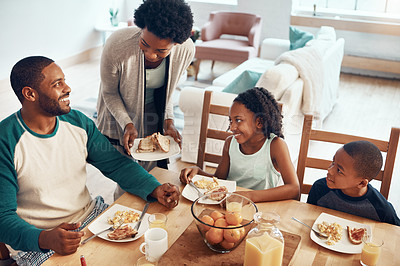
(366, 106)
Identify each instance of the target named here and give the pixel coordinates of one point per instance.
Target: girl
(255, 156)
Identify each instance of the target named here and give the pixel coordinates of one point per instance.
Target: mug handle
(141, 247)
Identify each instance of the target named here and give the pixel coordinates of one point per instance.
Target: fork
(318, 234)
(111, 228)
(198, 191)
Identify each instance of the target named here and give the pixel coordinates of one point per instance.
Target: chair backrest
(309, 134)
(208, 133)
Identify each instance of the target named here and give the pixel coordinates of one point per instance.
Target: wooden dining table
(101, 252)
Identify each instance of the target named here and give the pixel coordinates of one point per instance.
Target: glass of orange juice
(158, 220)
(371, 252)
(234, 203)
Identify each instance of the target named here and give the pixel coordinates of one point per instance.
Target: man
(44, 150)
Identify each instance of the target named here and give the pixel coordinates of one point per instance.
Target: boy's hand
(61, 239)
(188, 173)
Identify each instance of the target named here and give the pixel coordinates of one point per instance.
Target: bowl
(225, 224)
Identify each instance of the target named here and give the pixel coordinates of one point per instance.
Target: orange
(227, 245)
(216, 215)
(232, 235)
(207, 220)
(221, 222)
(215, 236)
(242, 231)
(233, 218)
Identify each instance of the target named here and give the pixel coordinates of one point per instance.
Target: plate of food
(113, 217)
(208, 185)
(154, 147)
(345, 236)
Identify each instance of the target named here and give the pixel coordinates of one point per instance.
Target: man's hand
(61, 239)
(130, 134)
(170, 130)
(167, 194)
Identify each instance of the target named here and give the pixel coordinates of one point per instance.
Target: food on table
(162, 142)
(233, 217)
(216, 215)
(263, 250)
(356, 235)
(121, 233)
(229, 235)
(154, 142)
(207, 219)
(211, 186)
(207, 184)
(146, 144)
(215, 236)
(332, 230)
(122, 217)
(217, 196)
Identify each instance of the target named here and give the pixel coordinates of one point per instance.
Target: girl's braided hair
(264, 106)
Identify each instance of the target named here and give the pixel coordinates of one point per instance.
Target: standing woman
(140, 68)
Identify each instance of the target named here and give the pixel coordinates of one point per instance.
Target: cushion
(277, 79)
(243, 82)
(298, 38)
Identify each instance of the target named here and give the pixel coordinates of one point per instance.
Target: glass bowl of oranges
(225, 224)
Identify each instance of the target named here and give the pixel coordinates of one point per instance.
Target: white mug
(155, 244)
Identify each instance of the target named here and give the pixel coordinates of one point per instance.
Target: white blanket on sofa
(308, 62)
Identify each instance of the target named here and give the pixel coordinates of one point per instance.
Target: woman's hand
(130, 134)
(188, 173)
(170, 130)
(167, 194)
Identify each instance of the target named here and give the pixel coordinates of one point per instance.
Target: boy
(346, 187)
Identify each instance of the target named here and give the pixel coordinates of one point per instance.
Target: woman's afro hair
(167, 19)
(264, 106)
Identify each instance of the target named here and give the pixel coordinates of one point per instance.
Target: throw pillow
(298, 38)
(277, 79)
(243, 82)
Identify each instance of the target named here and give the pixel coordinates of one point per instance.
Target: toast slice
(161, 141)
(146, 144)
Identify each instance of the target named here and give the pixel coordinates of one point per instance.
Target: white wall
(60, 29)
(54, 28)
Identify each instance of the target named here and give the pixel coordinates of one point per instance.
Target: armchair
(221, 41)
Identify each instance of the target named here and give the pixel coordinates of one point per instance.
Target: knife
(137, 225)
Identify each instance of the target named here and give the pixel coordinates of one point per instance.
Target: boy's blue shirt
(372, 205)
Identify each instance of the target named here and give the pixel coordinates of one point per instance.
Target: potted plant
(113, 18)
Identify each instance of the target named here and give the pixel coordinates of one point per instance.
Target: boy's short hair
(28, 73)
(367, 157)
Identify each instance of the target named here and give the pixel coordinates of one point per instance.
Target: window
(379, 10)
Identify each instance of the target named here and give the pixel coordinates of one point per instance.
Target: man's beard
(52, 106)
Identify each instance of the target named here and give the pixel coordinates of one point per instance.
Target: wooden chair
(205, 132)
(208, 133)
(389, 147)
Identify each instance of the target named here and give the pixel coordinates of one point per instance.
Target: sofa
(304, 80)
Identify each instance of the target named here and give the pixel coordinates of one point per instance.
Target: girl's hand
(130, 134)
(188, 173)
(170, 130)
